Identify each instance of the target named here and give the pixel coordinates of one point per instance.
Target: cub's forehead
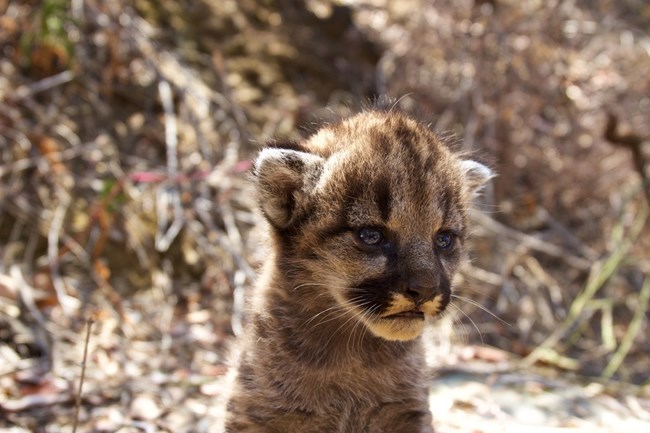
(386, 167)
(387, 148)
(374, 130)
(376, 140)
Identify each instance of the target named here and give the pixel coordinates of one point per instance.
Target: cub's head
(372, 214)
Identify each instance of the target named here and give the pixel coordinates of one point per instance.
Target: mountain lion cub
(368, 221)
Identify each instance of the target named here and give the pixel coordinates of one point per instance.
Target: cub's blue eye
(444, 241)
(371, 237)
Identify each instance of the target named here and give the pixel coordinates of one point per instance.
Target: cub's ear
(476, 175)
(284, 178)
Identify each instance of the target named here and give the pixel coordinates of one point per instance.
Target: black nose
(420, 287)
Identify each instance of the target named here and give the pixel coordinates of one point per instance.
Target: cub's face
(372, 214)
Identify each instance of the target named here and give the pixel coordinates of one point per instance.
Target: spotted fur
(333, 344)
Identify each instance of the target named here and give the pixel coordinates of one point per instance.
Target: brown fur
(333, 344)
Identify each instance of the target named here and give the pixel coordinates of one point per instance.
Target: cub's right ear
(476, 175)
(284, 178)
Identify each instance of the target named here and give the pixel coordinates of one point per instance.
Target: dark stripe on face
(408, 140)
(414, 164)
(452, 213)
(444, 202)
(381, 141)
(444, 290)
(352, 195)
(444, 284)
(383, 197)
(429, 164)
(335, 229)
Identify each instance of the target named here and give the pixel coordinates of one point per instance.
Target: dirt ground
(128, 234)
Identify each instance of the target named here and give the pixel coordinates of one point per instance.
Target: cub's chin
(400, 327)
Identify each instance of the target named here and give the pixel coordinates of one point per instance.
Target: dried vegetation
(126, 133)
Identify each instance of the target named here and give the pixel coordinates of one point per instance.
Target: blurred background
(127, 226)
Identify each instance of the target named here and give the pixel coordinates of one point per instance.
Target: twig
(89, 324)
(607, 326)
(57, 156)
(238, 303)
(169, 196)
(26, 293)
(25, 213)
(531, 242)
(237, 112)
(28, 300)
(632, 331)
(171, 127)
(634, 143)
(68, 303)
(483, 275)
(25, 91)
(224, 242)
(553, 357)
(231, 227)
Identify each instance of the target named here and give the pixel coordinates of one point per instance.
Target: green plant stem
(598, 276)
(631, 333)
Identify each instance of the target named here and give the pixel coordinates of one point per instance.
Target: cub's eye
(444, 241)
(371, 237)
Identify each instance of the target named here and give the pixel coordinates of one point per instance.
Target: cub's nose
(420, 288)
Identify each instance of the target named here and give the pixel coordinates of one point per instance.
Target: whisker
(473, 290)
(369, 314)
(478, 305)
(470, 319)
(357, 307)
(333, 307)
(332, 310)
(355, 314)
(463, 334)
(299, 286)
(339, 307)
(353, 336)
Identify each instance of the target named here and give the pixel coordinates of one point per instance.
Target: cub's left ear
(476, 174)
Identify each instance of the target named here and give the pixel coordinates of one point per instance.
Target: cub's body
(368, 218)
